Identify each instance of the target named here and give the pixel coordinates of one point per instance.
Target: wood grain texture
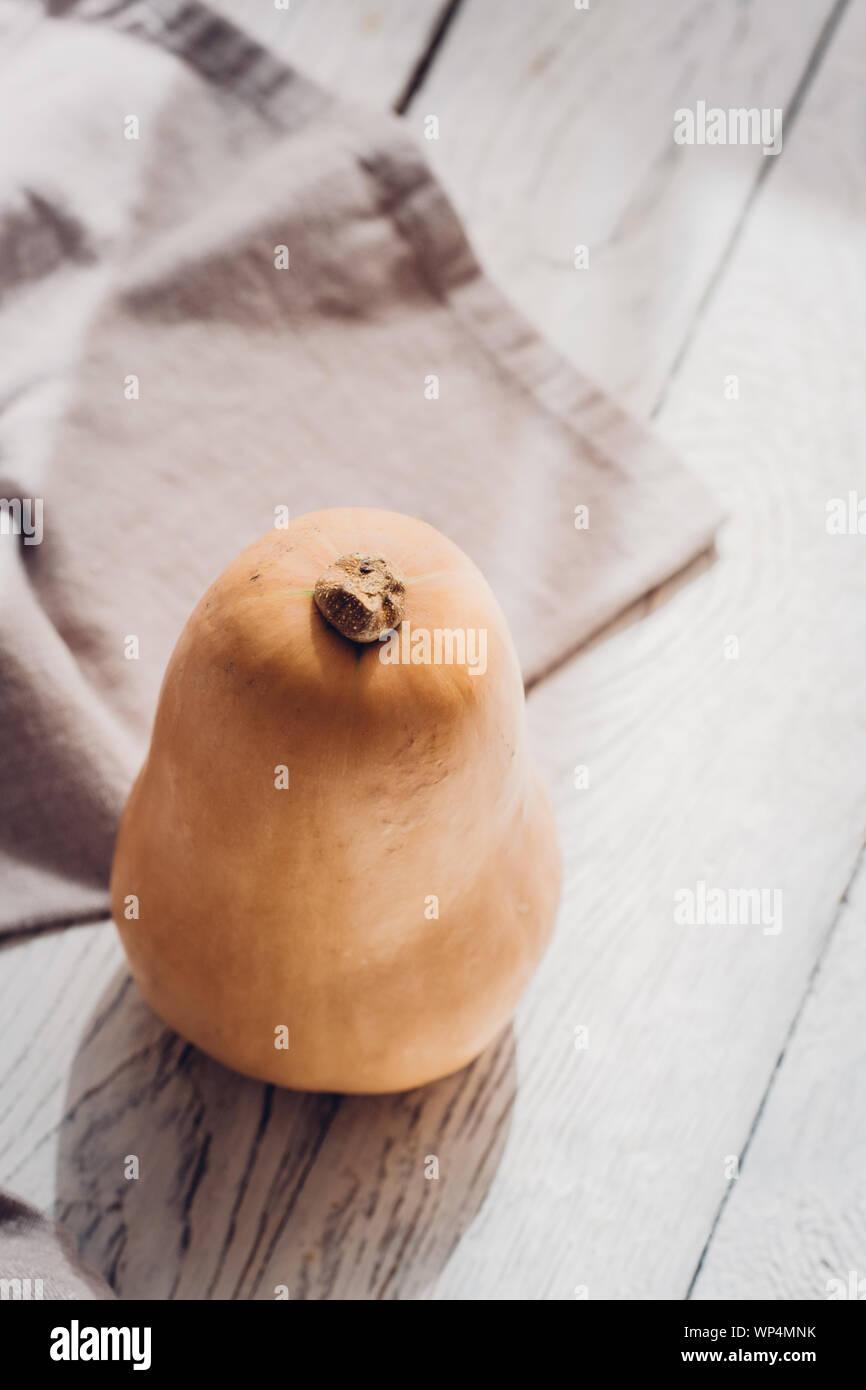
(595, 1169)
(235, 1195)
(743, 773)
(363, 51)
(794, 1223)
(555, 130)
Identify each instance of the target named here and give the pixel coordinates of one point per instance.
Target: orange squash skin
(307, 907)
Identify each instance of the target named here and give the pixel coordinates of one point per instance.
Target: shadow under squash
(248, 1191)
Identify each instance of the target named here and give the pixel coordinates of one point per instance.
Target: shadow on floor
(248, 1191)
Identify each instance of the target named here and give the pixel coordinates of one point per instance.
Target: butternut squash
(338, 868)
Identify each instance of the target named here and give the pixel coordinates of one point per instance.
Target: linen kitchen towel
(38, 1258)
(223, 293)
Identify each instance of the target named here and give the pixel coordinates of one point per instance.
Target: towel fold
(38, 1259)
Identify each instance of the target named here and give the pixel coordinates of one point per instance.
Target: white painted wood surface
(598, 1169)
(555, 130)
(794, 1223)
(364, 50)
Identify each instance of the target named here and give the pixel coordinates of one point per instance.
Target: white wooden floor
(605, 1170)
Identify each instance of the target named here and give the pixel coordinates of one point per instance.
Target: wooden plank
(555, 130)
(364, 51)
(794, 1224)
(48, 983)
(742, 773)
